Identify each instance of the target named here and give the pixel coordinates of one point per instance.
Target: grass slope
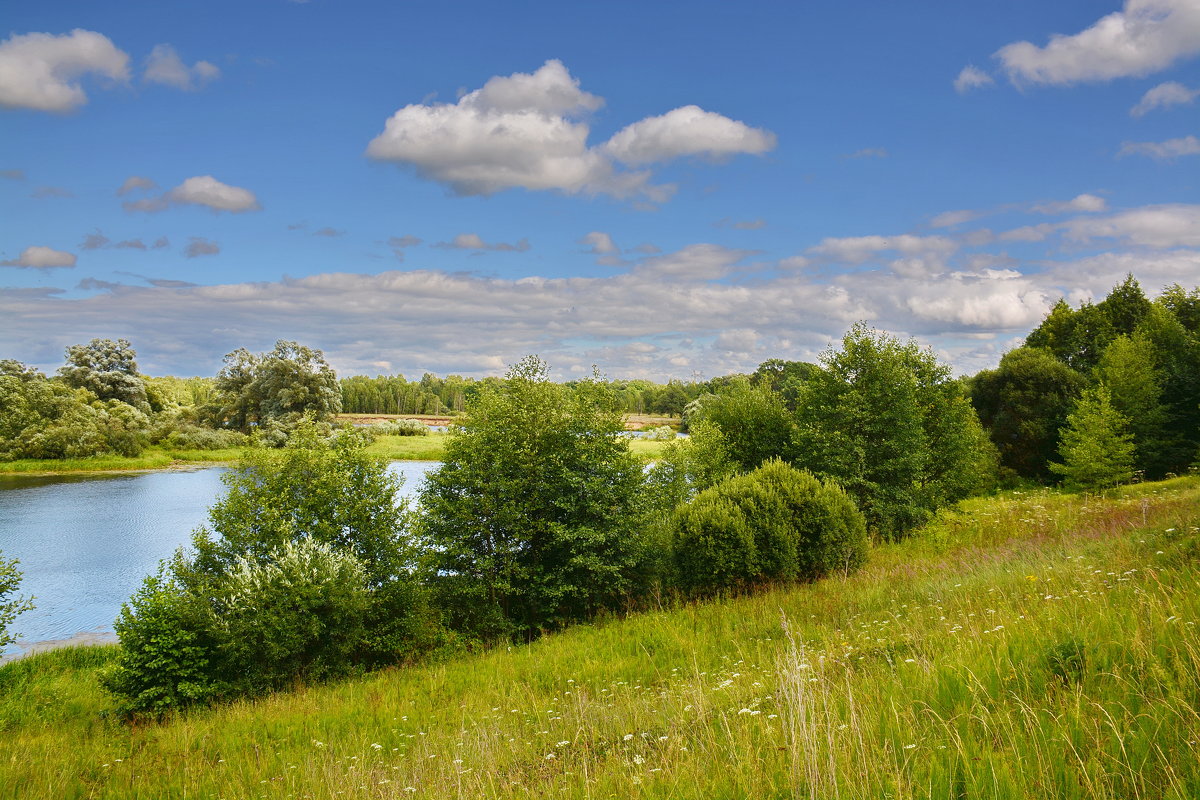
(1030, 646)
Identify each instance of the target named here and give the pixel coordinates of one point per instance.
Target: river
(86, 542)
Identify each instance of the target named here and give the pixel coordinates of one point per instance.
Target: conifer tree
(1128, 369)
(1096, 446)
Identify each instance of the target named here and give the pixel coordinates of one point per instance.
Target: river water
(86, 542)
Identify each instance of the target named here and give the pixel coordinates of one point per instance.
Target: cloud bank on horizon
(661, 215)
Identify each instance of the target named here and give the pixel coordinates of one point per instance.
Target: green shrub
(10, 579)
(775, 523)
(661, 433)
(305, 573)
(535, 518)
(181, 434)
(168, 650)
(401, 427)
(298, 615)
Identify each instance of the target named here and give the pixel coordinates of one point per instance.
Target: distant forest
(393, 394)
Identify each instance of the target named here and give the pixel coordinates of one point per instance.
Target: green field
(1035, 645)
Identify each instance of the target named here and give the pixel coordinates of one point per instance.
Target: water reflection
(86, 542)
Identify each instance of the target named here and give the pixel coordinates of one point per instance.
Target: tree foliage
(281, 386)
(10, 606)
(107, 369)
(1146, 352)
(785, 378)
(304, 572)
(44, 418)
(775, 523)
(1177, 359)
(1023, 403)
(755, 425)
(534, 518)
(1097, 449)
(1128, 369)
(885, 421)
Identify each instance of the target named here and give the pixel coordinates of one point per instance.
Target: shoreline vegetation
(392, 448)
(1052, 630)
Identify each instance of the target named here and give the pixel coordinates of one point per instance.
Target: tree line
(432, 395)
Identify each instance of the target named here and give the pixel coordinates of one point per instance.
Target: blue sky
(663, 191)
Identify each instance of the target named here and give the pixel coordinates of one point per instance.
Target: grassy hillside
(1029, 646)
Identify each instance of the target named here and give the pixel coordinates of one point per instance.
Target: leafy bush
(775, 523)
(176, 432)
(662, 433)
(195, 437)
(885, 420)
(1096, 446)
(10, 579)
(46, 419)
(753, 420)
(297, 615)
(401, 427)
(168, 650)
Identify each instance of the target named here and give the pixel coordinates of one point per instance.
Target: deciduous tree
(288, 382)
(534, 518)
(106, 368)
(884, 419)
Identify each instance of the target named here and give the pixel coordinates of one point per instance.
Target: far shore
(392, 448)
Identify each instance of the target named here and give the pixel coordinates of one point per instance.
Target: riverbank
(82, 639)
(393, 448)
(152, 459)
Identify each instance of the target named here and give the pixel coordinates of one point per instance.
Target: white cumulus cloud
(528, 130)
(164, 66)
(1163, 151)
(686, 131)
(38, 257)
(135, 183)
(1165, 95)
(1159, 226)
(856, 249)
(199, 246)
(1087, 203)
(201, 190)
(972, 77)
(737, 340)
(473, 241)
(40, 71)
(1144, 37)
(951, 219)
(600, 243)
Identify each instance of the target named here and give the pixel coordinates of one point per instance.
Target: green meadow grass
(1027, 646)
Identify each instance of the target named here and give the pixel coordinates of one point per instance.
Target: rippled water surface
(86, 543)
